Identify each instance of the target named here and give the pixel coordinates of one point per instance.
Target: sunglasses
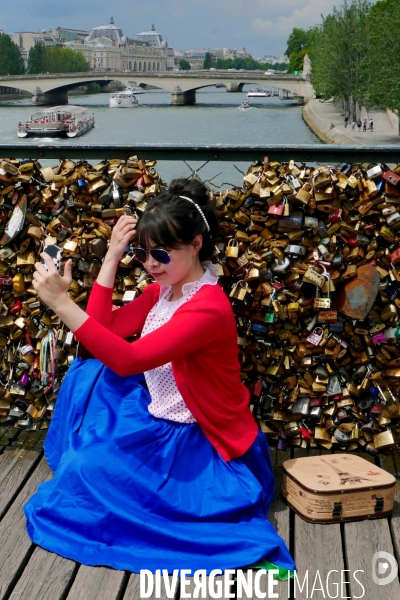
(159, 254)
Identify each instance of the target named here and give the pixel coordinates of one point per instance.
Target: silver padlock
(323, 303)
(393, 219)
(129, 295)
(69, 338)
(341, 436)
(115, 195)
(374, 172)
(301, 406)
(316, 336)
(280, 265)
(334, 386)
(293, 181)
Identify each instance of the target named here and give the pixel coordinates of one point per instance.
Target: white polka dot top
(166, 401)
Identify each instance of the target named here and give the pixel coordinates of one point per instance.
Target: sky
(261, 26)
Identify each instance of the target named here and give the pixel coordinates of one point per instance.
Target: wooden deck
(28, 572)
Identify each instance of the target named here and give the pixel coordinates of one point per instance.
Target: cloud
(281, 25)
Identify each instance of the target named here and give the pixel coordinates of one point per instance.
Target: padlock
(232, 249)
(323, 303)
(316, 336)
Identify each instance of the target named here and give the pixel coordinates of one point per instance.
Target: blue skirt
(132, 491)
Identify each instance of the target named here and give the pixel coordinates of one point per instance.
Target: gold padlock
(232, 249)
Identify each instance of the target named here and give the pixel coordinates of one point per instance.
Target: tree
(11, 61)
(338, 49)
(53, 59)
(208, 61)
(379, 65)
(184, 65)
(36, 58)
(299, 43)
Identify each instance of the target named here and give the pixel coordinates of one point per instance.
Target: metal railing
(320, 154)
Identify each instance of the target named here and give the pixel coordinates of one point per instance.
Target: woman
(167, 470)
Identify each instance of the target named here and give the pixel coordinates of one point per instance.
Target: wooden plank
(279, 515)
(15, 466)
(97, 583)
(395, 522)
(132, 591)
(45, 577)
(317, 550)
(16, 544)
(362, 540)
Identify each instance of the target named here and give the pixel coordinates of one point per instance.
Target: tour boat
(125, 99)
(57, 121)
(258, 93)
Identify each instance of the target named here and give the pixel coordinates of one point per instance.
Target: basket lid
(337, 472)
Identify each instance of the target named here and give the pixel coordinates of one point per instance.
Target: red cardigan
(200, 340)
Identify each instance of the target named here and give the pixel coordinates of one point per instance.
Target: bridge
(53, 88)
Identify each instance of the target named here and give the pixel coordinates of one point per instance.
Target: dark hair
(170, 221)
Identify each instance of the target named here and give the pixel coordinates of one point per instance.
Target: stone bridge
(53, 88)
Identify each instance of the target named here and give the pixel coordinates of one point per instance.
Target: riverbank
(320, 115)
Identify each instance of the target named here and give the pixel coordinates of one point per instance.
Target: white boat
(125, 99)
(258, 93)
(57, 121)
(136, 90)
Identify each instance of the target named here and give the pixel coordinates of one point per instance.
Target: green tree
(11, 61)
(184, 65)
(299, 43)
(379, 68)
(338, 49)
(36, 58)
(208, 61)
(53, 59)
(93, 88)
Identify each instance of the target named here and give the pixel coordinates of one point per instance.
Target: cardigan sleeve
(189, 329)
(125, 321)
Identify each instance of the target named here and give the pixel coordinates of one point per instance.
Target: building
(194, 57)
(273, 59)
(106, 47)
(226, 53)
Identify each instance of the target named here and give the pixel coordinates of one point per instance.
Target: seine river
(215, 119)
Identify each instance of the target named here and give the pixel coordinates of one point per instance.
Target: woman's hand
(123, 232)
(51, 287)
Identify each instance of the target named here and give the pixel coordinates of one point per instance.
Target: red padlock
(335, 216)
(352, 241)
(6, 280)
(395, 256)
(16, 308)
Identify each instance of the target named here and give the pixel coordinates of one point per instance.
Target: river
(215, 119)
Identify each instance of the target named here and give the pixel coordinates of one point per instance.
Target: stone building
(106, 47)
